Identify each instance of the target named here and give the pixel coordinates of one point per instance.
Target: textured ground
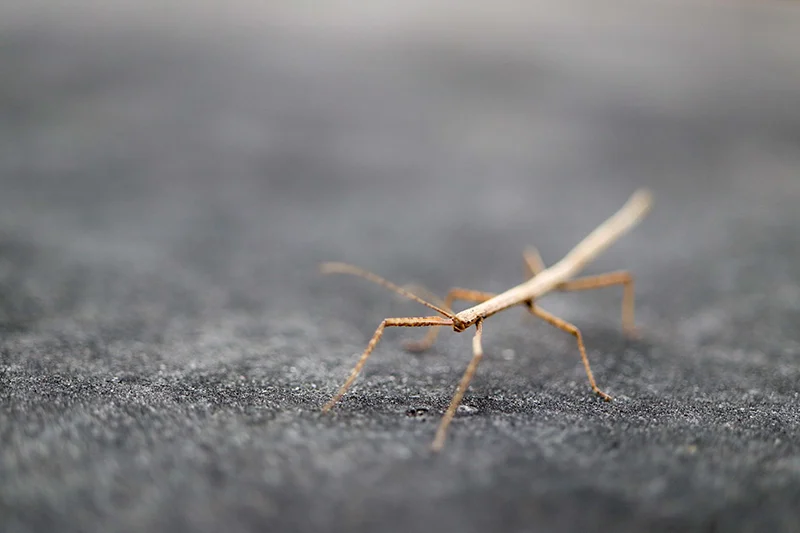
(167, 189)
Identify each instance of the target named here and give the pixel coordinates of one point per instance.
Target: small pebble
(466, 410)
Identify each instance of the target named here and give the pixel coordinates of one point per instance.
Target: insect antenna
(344, 268)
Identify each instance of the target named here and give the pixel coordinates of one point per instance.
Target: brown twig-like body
(559, 277)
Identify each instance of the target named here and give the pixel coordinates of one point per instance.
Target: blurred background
(172, 172)
(243, 141)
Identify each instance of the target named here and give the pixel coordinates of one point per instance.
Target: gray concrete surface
(168, 184)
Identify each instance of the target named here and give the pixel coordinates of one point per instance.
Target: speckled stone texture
(169, 182)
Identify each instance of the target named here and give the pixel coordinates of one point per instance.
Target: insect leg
(606, 280)
(572, 330)
(477, 355)
(533, 261)
(409, 322)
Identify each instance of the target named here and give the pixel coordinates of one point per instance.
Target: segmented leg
(606, 280)
(477, 354)
(572, 330)
(534, 265)
(533, 261)
(408, 322)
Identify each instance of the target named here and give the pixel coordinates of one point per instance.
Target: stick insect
(541, 280)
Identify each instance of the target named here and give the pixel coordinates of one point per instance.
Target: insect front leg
(477, 355)
(407, 322)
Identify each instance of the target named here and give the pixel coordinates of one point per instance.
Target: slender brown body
(547, 280)
(560, 276)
